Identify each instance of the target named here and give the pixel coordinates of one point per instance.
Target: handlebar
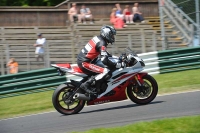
(123, 58)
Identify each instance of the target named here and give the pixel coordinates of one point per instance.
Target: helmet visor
(112, 38)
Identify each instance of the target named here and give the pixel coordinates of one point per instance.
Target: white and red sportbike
(123, 83)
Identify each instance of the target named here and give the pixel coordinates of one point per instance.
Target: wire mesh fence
(187, 6)
(182, 14)
(191, 8)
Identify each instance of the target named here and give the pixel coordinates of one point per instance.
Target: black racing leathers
(95, 47)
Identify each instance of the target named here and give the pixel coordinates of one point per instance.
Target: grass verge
(41, 102)
(173, 125)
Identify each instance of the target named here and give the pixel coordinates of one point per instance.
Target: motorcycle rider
(95, 47)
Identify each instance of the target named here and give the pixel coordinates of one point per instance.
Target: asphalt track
(105, 115)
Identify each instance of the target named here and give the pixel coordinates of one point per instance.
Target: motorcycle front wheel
(143, 94)
(63, 104)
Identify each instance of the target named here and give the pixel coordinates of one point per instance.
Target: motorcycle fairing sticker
(122, 77)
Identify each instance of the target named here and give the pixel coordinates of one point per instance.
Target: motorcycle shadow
(120, 107)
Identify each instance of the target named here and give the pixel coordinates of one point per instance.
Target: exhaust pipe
(81, 97)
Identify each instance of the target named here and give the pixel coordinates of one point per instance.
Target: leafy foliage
(30, 2)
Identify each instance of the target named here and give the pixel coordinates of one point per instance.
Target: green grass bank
(189, 124)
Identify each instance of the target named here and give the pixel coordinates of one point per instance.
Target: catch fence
(185, 16)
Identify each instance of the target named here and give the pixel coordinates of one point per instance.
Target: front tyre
(63, 104)
(143, 94)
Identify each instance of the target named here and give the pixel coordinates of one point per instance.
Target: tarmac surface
(105, 115)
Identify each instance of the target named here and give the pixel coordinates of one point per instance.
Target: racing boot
(87, 85)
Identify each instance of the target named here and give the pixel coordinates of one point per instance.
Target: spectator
(86, 14)
(116, 21)
(119, 11)
(137, 14)
(13, 66)
(128, 15)
(39, 51)
(73, 14)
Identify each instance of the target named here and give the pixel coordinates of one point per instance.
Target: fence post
(197, 19)
(154, 41)
(73, 43)
(130, 41)
(161, 6)
(7, 56)
(47, 55)
(143, 41)
(2, 61)
(28, 58)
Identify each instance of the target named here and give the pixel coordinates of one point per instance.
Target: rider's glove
(122, 57)
(120, 65)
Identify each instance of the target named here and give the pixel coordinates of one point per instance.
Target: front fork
(138, 82)
(138, 78)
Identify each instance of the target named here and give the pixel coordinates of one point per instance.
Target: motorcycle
(120, 84)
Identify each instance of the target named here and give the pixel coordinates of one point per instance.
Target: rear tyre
(62, 104)
(143, 94)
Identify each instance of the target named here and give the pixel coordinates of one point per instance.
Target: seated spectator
(119, 11)
(116, 21)
(73, 13)
(13, 66)
(86, 14)
(137, 15)
(128, 15)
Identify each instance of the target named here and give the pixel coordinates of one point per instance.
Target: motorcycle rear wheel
(64, 106)
(146, 93)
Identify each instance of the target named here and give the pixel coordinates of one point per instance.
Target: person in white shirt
(86, 14)
(39, 45)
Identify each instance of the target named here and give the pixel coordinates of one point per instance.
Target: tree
(30, 2)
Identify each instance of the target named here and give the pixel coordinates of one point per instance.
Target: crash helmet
(108, 33)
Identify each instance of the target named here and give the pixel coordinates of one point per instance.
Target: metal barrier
(47, 79)
(172, 60)
(29, 82)
(179, 60)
